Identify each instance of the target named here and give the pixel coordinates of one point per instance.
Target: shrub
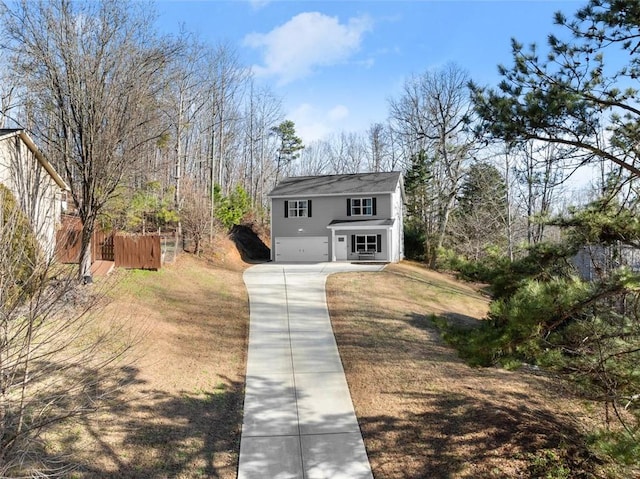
(414, 242)
(55, 364)
(618, 446)
(20, 249)
(230, 210)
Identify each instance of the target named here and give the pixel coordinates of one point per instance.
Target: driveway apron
(299, 420)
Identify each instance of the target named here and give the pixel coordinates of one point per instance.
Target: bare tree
(377, 150)
(93, 72)
(184, 101)
(195, 214)
(228, 81)
(431, 116)
(7, 101)
(263, 112)
(56, 364)
(540, 173)
(314, 160)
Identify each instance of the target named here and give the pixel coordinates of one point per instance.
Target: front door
(341, 248)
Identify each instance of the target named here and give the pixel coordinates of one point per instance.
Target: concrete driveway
(298, 415)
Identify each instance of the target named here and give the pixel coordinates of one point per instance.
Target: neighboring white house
(34, 183)
(338, 218)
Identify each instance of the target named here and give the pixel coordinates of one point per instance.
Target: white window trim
(368, 247)
(295, 208)
(361, 207)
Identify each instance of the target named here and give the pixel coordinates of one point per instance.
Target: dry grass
(422, 411)
(180, 414)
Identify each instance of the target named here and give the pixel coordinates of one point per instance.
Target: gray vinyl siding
(325, 210)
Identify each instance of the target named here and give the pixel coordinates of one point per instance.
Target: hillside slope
(422, 411)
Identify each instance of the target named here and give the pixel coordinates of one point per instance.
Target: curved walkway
(298, 415)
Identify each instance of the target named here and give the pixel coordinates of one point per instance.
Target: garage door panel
(302, 248)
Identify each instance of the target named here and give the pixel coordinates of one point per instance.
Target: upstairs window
(297, 209)
(361, 206)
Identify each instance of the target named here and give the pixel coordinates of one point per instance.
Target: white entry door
(341, 248)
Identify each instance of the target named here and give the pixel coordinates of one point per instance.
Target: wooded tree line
(145, 128)
(151, 130)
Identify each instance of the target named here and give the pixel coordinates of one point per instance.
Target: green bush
(230, 210)
(477, 346)
(414, 242)
(548, 464)
(483, 270)
(542, 262)
(21, 252)
(619, 446)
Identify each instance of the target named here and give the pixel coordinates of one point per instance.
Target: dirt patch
(422, 411)
(180, 414)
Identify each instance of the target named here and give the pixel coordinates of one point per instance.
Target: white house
(338, 218)
(35, 184)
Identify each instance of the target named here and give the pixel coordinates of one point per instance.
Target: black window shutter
(353, 243)
(309, 208)
(379, 243)
(348, 206)
(286, 209)
(373, 206)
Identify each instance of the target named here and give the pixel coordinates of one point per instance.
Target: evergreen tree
(290, 144)
(420, 224)
(570, 95)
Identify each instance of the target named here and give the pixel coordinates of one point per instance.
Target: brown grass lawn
(180, 414)
(422, 411)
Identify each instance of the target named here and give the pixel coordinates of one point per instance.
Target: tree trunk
(84, 271)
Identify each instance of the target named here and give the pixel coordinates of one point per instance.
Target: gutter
(43, 161)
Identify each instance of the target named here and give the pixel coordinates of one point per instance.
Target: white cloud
(313, 123)
(258, 4)
(309, 40)
(338, 112)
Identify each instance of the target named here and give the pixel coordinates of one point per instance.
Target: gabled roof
(6, 133)
(334, 185)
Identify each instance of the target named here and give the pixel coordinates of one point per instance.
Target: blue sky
(336, 63)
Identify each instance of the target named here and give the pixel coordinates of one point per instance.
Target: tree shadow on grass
(153, 434)
(458, 431)
(466, 424)
(456, 320)
(449, 420)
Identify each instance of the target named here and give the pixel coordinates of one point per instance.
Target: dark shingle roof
(9, 131)
(359, 183)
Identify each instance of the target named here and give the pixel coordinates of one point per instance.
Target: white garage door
(305, 248)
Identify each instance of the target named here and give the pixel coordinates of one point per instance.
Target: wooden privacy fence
(69, 242)
(137, 251)
(126, 251)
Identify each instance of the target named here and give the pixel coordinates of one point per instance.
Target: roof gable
(6, 133)
(335, 185)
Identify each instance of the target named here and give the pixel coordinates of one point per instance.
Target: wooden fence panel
(69, 240)
(102, 246)
(137, 251)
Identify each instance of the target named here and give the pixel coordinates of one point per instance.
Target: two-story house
(338, 218)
